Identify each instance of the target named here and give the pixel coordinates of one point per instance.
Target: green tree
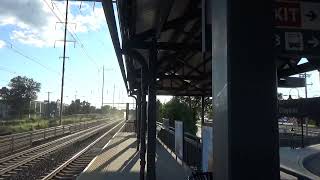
(106, 109)
(159, 111)
(20, 91)
(85, 107)
(78, 107)
(194, 103)
(178, 110)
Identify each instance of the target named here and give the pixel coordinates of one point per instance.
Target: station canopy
(183, 32)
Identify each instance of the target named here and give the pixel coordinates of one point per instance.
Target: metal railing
(192, 148)
(15, 142)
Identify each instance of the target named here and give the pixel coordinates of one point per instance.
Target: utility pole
(114, 88)
(305, 76)
(75, 96)
(102, 86)
(306, 85)
(119, 101)
(48, 109)
(64, 59)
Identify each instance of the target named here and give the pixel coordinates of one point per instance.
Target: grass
(18, 126)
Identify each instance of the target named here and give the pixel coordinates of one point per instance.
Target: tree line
(186, 109)
(22, 90)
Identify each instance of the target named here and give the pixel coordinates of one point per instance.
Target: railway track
(20, 163)
(75, 165)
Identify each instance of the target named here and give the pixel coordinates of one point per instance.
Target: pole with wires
(102, 87)
(64, 60)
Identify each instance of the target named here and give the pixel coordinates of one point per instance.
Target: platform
(119, 160)
(293, 159)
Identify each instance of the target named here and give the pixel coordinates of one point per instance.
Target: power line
(33, 59)
(73, 34)
(7, 70)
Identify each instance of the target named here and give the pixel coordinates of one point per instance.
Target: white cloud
(2, 44)
(34, 23)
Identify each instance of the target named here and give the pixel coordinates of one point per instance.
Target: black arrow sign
(312, 15)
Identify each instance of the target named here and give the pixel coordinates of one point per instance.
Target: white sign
(314, 42)
(294, 41)
(310, 15)
(178, 137)
(207, 149)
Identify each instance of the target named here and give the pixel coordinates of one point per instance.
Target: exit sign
(297, 15)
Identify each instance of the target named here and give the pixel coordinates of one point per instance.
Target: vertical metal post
(127, 111)
(202, 111)
(114, 88)
(302, 135)
(236, 43)
(136, 121)
(307, 128)
(306, 85)
(143, 126)
(64, 60)
(102, 87)
(48, 105)
(139, 118)
(152, 103)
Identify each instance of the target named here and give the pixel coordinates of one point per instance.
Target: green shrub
(176, 110)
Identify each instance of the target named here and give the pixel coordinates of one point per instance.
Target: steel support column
(138, 119)
(302, 134)
(127, 111)
(246, 143)
(202, 111)
(143, 125)
(151, 150)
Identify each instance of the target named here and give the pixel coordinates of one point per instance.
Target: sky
(30, 45)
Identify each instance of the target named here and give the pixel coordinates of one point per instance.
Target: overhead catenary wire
(28, 57)
(5, 69)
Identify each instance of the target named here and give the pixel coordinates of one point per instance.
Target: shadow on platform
(120, 161)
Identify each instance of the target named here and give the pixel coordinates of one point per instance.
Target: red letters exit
(287, 14)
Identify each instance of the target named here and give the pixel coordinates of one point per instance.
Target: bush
(176, 110)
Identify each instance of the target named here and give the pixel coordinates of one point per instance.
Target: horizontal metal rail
(193, 148)
(26, 158)
(65, 164)
(12, 143)
(40, 147)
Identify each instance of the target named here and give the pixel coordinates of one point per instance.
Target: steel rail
(72, 159)
(54, 148)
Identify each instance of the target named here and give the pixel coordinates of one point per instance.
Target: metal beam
(112, 26)
(240, 149)
(143, 126)
(162, 45)
(189, 77)
(169, 25)
(298, 69)
(152, 105)
(162, 16)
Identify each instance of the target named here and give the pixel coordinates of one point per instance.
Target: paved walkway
(120, 161)
(293, 159)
